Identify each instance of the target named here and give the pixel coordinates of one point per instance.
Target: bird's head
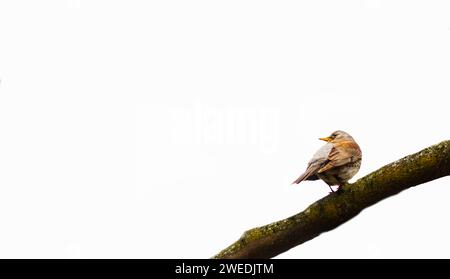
(337, 136)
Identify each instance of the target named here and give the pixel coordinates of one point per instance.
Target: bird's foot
(340, 189)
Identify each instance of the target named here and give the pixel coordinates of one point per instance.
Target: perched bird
(335, 162)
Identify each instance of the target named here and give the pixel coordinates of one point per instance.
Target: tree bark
(337, 208)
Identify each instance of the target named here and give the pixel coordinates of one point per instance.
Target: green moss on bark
(337, 208)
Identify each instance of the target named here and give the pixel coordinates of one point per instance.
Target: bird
(336, 162)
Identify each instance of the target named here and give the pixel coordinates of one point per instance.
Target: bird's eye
(333, 135)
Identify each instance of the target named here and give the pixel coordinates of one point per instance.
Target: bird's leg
(332, 191)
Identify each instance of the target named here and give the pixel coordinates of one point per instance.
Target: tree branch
(335, 209)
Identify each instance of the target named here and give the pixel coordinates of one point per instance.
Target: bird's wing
(322, 154)
(319, 159)
(342, 153)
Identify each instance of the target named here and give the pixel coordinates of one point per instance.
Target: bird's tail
(302, 177)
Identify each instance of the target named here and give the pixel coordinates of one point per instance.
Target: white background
(165, 129)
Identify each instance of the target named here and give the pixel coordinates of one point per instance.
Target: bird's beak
(327, 139)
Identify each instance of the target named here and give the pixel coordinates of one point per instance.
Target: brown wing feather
(342, 153)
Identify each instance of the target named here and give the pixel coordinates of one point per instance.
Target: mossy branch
(337, 208)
